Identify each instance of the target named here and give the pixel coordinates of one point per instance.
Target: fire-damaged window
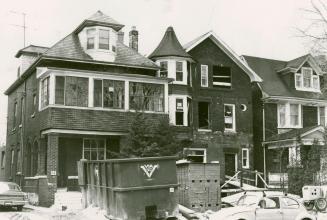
(45, 92)
(221, 76)
(203, 115)
(197, 155)
(94, 149)
(109, 93)
(179, 114)
(163, 72)
(146, 96)
(77, 89)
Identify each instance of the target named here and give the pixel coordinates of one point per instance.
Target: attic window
(221, 77)
(104, 39)
(307, 80)
(90, 38)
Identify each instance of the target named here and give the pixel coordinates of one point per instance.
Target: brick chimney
(121, 37)
(133, 38)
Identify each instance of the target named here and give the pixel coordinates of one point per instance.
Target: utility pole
(21, 26)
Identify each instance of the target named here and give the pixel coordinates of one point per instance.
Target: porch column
(52, 158)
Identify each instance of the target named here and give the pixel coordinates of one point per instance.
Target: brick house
(210, 99)
(77, 98)
(289, 105)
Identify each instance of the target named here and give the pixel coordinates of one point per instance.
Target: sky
(265, 28)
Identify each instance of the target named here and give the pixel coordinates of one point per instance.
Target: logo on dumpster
(149, 169)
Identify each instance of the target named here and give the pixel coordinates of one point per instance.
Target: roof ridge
(264, 58)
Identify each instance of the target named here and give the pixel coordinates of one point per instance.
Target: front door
(230, 164)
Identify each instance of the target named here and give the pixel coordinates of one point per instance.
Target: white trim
(312, 77)
(233, 129)
(302, 100)
(172, 109)
(70, 131)
(171, 69)
(288, 115)
(318, 115)
(224, 47)
(247, 166)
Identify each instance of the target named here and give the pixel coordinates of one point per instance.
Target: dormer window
(104, 39)
(307, 80)
(90, 38)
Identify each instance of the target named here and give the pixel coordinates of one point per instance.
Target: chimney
(121, 37)
(133, 38)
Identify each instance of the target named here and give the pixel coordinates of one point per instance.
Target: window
(109, 93)
(18, 160)
(245, 158)
(289, 203)
(179, 114)
(94, 149)
(203, 115)
(179, 71)
(146, 96)
(60, 90)
(21, 110)
(3, 159)
(229, 117)
(289, 115)
(295, 115)
(221, 76)
(45, 92)
(15, 115)
(90, 38)
(204, 75)
(104, 39)
(34, 104)
(322, 115)
(163, 72)
(269, 203)
(307, 80)
(76, 91)
(197, 155)
(12, 162)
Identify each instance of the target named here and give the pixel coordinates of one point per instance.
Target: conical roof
(169, 46)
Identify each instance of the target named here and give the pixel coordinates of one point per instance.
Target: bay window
(289, 115)
(146, 96)
(307, 80)
(109, 93)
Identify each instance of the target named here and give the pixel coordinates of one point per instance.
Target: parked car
(12, 196)
(265, 205)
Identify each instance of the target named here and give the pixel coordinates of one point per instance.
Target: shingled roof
(273, 83)
(169, 46)
(31, 49)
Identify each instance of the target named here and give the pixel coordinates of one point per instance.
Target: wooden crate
(199, 187)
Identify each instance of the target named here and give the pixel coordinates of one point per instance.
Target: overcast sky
(253, 27)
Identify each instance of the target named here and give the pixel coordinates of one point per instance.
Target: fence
(139, 188)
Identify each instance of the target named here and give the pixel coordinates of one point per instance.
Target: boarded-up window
(60, 90)
(76, 93)
(146, 96)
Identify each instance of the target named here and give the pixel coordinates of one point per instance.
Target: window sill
(308, 90)
(290, 127)
(205, 130)
(217, 89)
(230, 131)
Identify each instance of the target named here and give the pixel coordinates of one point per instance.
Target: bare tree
(315, 31)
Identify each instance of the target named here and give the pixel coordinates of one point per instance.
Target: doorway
(230, 164)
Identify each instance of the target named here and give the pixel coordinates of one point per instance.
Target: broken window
(76, 91)
(163, 72)
(203, 115)
(179, 114)
(60, 90)
(229, 117)
(221, 76)
(146, 96)
(197, 155)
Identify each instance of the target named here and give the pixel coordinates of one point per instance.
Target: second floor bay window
(109, 93)
(146, 96)
(289, 115)
(71, 91)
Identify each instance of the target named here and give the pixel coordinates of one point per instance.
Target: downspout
(263, 140)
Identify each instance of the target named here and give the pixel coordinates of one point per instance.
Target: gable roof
(295, 133)
(169, 46)
(224, 47)
(273, 83)
(31, 49)
(101, 19)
